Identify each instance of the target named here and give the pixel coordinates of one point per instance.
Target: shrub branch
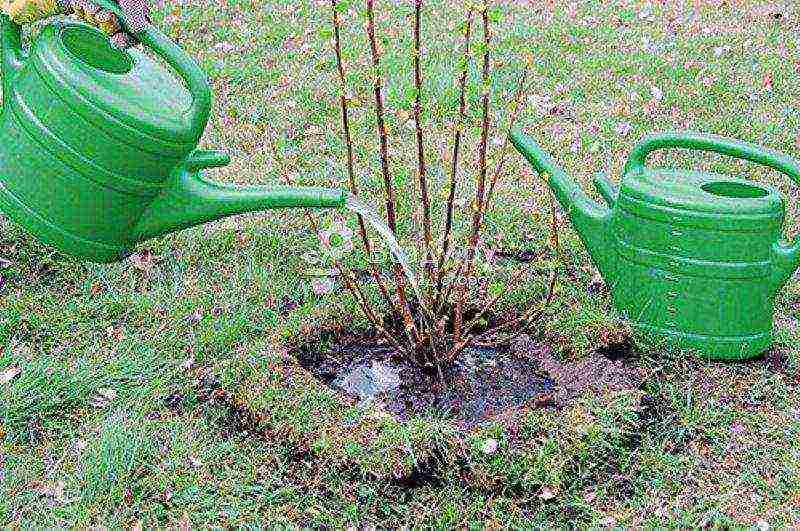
(480, 188)
(448, 226)
(423, 172)
(348, 138)
(387, 180)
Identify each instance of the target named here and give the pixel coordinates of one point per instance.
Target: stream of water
(370, 216)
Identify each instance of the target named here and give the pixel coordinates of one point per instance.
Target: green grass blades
(159, 391)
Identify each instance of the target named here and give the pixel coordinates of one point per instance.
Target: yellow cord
(29, 11)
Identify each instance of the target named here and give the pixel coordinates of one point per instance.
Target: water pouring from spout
(353, 204)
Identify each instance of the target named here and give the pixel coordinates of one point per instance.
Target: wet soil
(480, 384)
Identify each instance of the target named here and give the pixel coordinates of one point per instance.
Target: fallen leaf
(242, 237)
(55, 490)
(547, 493)
(115, 333)
(103, 397)
(9, 374)
(768, 81)
(224, 47)
(708, 81)
(196, 316)
(185, 524)
(143, 261)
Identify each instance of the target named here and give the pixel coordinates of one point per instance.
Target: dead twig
(518, 101)
(352, 287)
(519, 323)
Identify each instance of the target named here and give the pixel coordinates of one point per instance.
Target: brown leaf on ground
(9, 374)
(185, 524)
(103, 397)
(768, 82)
(115, 333)
(144, 260)
(53, 490)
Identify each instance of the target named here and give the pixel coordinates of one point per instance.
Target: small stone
(738, 429)
(719, 51)
(521, 344)
(490, 446)
(624, 129)
(656, 93)
(103, 397)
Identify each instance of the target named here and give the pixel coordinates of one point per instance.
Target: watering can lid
(700, 192)
(144, 99)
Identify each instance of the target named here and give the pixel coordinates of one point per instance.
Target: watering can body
(695, 258)
(98, 146)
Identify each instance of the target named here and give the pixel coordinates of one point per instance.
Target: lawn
(162, 390)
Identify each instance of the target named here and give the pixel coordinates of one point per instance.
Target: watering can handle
(787, 257)
(194, 77)
(714, 144)
(11, 39)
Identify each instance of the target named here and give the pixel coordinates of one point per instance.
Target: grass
(160, 391)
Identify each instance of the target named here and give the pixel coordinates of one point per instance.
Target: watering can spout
(192, 200)
(590, 219)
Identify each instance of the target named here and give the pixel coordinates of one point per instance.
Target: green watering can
(98, 145)
(693, 257)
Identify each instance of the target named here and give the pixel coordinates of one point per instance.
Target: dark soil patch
(521, 256)
(616, 346)
(612, 367)
(480, 384)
